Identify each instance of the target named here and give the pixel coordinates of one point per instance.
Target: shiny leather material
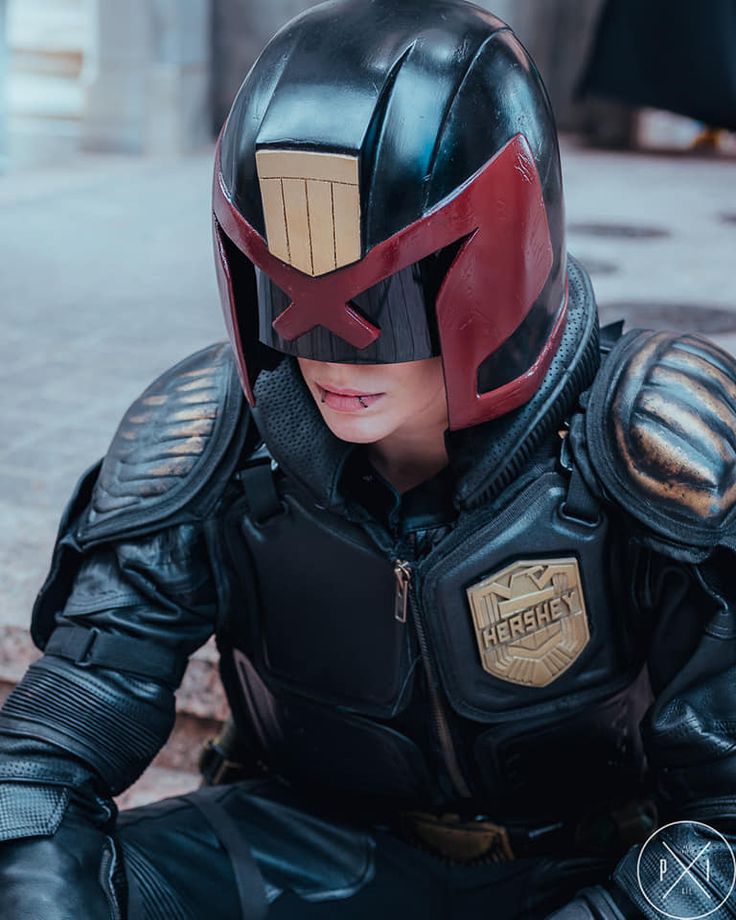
(532, 527)
(126, 720)
(659, 434)
(75, 873)
(261, 821)
(67, 723)
(116, 588)
(610, 726)
(371, 660)
(132, 590)
(307, 658)
(297, 851)
(167, 450)
(595, 904)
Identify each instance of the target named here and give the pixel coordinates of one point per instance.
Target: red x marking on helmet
(494, 281)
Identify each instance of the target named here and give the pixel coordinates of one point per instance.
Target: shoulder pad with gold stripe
(660, 431)
(181, 436)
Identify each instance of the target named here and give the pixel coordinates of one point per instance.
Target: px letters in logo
(686, 870)
(530, 620)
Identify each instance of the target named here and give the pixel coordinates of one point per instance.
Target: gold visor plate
(530, 620)
(311, 208)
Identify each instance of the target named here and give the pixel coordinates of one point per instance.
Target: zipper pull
(402, 571)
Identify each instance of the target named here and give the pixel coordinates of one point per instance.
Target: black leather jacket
(534, 636)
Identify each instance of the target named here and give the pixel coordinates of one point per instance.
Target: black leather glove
(67, 865)
(597, 903)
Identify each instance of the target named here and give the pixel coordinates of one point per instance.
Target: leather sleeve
(689, 732)
(656, 439)
(75, 725)
(81, 726)
(156, 596)
(130, 595)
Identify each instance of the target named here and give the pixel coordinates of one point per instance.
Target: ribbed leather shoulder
(661, 434)
(172, 443)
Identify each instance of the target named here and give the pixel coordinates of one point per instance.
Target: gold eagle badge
(530, 620)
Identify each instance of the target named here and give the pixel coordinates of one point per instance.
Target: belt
(606, 833)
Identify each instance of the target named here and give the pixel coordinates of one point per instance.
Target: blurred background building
(158, 76)
(108, 111)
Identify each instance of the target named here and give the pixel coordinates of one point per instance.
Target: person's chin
(354, 428)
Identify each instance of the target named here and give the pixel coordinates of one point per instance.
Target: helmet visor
(401, 307)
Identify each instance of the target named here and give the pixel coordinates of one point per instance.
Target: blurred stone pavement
(106, 280)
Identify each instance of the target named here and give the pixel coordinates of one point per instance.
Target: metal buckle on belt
(216, 768)
(477, 840)
(607, 832)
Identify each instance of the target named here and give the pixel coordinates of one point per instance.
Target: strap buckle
(258, 482)
(464, 842)
(84, 656)
(217, 768)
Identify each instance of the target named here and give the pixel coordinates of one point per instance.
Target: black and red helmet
(387, 188)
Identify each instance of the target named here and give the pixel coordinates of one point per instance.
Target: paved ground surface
(106, 280)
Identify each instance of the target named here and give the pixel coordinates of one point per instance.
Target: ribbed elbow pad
(114, 723)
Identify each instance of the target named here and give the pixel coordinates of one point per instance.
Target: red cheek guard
(494, 281)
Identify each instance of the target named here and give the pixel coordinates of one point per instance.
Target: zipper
(405, 599)
(402, 571)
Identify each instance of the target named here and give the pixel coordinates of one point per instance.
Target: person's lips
(345, 399)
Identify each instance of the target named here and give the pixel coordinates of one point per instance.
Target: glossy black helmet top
(388, 188)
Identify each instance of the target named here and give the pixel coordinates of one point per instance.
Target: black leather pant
(207, 854)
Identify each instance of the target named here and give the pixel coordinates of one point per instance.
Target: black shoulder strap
(581, 502)
(609, 335)
(258, 481)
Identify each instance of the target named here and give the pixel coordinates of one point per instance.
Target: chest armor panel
(326, 627)
(523, 610)
(331, 670)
